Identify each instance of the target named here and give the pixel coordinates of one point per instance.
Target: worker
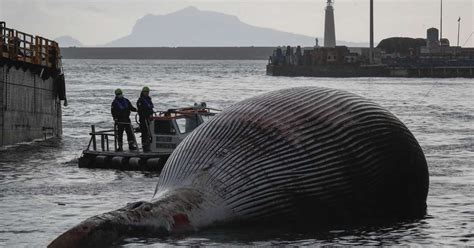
(121, 108)
(145, 111)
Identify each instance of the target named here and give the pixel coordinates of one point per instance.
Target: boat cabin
(167, 130)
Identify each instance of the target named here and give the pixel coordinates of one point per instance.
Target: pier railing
(19, 46)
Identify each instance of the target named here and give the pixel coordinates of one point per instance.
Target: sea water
(43, 192)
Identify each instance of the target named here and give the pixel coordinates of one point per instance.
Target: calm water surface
(43, 193)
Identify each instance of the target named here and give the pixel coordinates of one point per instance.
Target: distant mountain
(68, 41)
(191, 27)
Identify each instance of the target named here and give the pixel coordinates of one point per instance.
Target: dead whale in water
(306, 155)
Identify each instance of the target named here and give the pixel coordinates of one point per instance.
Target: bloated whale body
(307, 155)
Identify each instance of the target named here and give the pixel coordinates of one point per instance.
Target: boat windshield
(164, 127)
(188, 124)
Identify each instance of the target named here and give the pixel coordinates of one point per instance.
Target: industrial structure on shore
(393, 57)
(31, 87)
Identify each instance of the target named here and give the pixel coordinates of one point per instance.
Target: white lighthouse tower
(329, 27)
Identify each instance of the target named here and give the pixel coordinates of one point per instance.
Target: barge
(167, 129)
(32, 87)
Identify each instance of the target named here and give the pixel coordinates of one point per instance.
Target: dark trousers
(128, 129)
(144, 125)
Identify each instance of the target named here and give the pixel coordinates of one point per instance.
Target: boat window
(188, 124)
(206, 117)
(181, 125)
(164, 127)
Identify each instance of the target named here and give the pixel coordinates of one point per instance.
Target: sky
(99, 22)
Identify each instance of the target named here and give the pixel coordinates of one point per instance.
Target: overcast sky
(98, 22)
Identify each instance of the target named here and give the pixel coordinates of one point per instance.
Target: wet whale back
(304, 150)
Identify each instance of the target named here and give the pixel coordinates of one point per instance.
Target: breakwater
(370, 71)
(191, 53)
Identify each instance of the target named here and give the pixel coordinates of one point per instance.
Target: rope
(468, 39)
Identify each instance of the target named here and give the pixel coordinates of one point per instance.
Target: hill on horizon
(68, 41)
(191, 27)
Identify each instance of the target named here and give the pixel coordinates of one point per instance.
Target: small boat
(167, 129)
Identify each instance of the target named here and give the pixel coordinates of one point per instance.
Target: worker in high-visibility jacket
(145, 111)
(121, 108)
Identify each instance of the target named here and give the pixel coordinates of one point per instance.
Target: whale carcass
(306, 155)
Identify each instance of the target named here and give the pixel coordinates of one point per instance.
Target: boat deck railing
(104, 138)
(19, 46)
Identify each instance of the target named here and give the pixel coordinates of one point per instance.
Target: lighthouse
(329, 27)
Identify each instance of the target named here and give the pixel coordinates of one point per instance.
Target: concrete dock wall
(368, 71)
(2, 97)
(326, 71)
(29, 108)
